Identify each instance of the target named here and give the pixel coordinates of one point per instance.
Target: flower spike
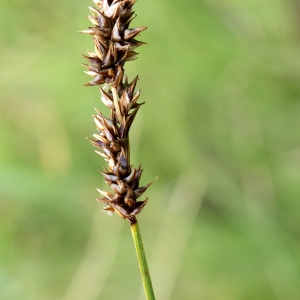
(114, 44)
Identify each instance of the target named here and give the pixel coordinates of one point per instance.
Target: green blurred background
(220, 128)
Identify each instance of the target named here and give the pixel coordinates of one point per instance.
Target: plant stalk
(117, 107)
(120, 119)
(137, 238)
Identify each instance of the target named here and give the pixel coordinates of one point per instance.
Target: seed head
(113, 39)
(114, 45)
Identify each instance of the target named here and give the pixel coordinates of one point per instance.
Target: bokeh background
(220, 129)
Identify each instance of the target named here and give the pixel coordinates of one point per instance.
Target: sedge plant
(115, 43)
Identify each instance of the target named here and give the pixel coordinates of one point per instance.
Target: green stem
(137, 238)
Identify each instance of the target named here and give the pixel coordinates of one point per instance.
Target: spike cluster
(114, 44)
(114, 41)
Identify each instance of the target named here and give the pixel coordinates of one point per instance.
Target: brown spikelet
(114, 43)
(113, 39)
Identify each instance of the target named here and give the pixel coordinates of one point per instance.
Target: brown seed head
(114, 45)
(113, 39)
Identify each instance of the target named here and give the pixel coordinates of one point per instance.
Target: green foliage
(220, 128)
